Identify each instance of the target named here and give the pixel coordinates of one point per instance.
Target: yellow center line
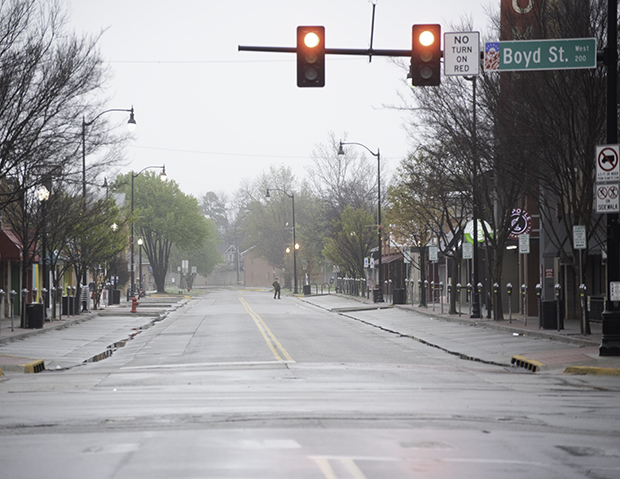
(268, 336)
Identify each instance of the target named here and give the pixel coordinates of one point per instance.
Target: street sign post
(579, 237)
(461, 53)
(607, 168)
(524, 243)
(532, 55)
(607, 198)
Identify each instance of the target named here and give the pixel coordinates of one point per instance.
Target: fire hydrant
(134, 305)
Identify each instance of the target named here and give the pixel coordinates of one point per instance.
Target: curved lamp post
(131, 124)
(162, 177)
(378, 156)
(295, 245)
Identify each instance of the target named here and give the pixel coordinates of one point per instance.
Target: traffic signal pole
(610, 342)
(368, 52)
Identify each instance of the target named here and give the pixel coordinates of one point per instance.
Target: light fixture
(131, 123)
(163, 176)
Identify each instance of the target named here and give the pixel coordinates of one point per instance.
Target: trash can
(398, 296)
(550, 315)
(65, 305)
(307, 290)
(116, 296)
(34, 316)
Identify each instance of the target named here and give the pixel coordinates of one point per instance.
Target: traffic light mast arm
(331, 51)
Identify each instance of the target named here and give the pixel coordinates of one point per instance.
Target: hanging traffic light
(426, 55)
(310, 56)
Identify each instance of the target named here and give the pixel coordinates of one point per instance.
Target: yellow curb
(34, 366)
(529, 364)
(582, 370)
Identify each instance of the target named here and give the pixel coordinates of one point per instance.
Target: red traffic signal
(426, 55)
(310, 56)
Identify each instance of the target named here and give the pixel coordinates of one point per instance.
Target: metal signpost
(524, 248)
(580, 242)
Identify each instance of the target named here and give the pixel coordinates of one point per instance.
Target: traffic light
(310, 56)
(426, 55)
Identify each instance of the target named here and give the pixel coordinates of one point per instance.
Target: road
(239, 385)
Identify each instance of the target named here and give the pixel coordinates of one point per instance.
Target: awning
(391, 258)
(10, 246)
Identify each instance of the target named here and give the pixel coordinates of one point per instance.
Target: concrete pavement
(495, 342)
(74, 340)
(93, 336)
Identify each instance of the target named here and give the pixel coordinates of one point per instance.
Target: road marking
(347, 461)
(270, 339)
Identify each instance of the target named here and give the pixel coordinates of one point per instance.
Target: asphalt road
(239, 385)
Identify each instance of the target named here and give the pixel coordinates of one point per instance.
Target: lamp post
(162, 177)
(43, 195)
(475, 303)
(295, 245)
(378, 156)
(131, 124)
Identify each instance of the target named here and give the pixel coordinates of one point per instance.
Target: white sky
(215, 115)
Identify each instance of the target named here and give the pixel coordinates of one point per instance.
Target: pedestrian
(276, 289)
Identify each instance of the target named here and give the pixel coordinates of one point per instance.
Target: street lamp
(295, 245)
(162, 177)
(44, 195)
(131, 125)
(378, 155)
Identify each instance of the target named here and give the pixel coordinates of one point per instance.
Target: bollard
(539, 298)
(524, 293)
(509, 291)
(12, 294)
(441, 295)
(558, 289)
(458, 295)
(582, 293)
(23, 307)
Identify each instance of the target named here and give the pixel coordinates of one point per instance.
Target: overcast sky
(215, 115)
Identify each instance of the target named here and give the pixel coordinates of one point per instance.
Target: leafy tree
(164, 216)
(352, 242)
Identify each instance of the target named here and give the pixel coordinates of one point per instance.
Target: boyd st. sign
(563, 54)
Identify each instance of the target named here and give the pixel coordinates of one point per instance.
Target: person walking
(276, 289)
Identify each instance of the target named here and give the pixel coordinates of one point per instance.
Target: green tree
(164, 216)
(352, 242)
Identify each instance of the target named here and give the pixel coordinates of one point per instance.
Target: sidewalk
(107, 329)
(486, 339)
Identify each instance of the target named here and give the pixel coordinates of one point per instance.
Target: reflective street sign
(562, 54)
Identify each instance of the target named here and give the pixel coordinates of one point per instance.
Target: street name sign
(532, 55)
(461, 53)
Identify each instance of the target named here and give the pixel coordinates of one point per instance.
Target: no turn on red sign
(607, 169)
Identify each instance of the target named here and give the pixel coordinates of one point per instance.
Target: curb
(31, 367)
(583, 370)
(529, 364)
